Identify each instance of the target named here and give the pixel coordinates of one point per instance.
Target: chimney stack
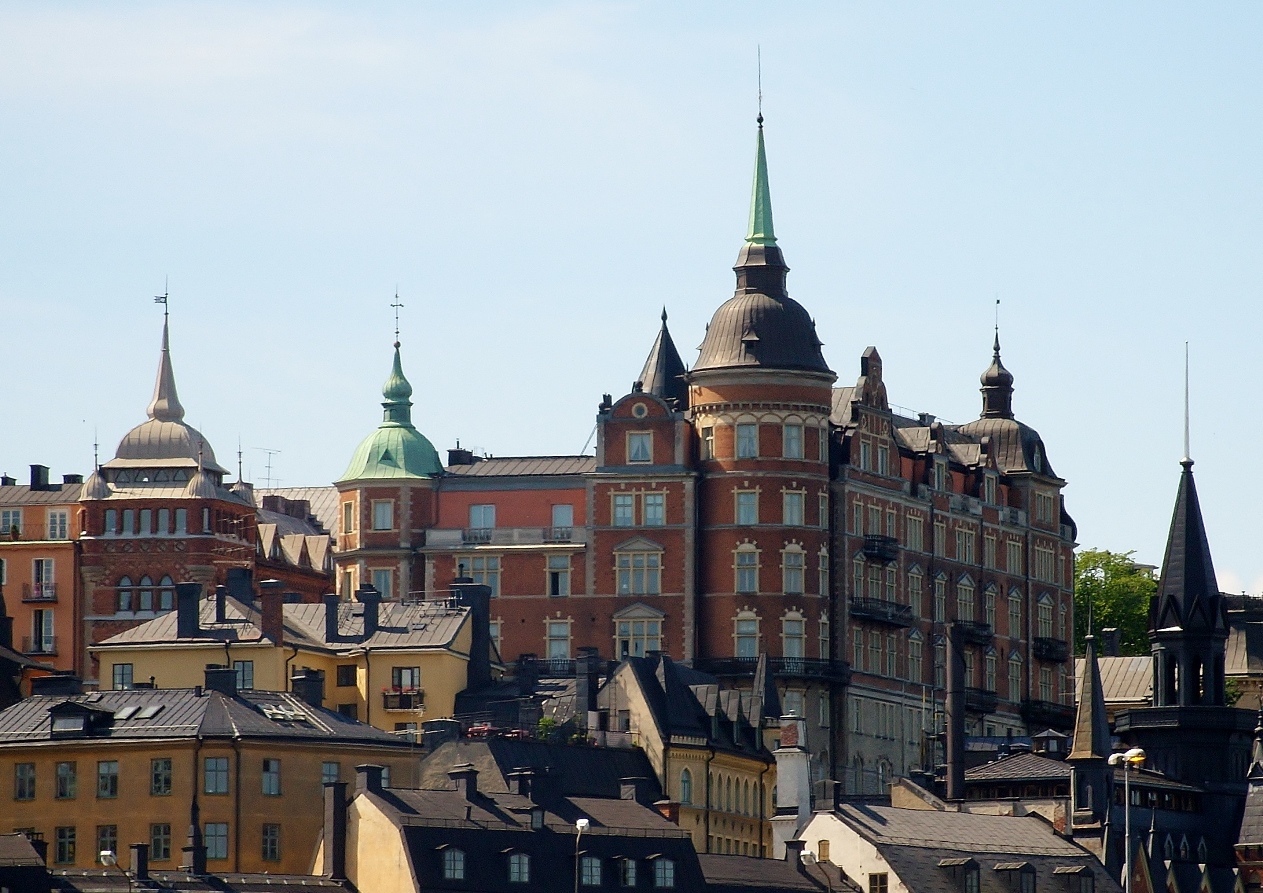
(140, 862)
(465, 777)
(794, 853)
(309, 686)
(221, 604)
(1111, 642)
(188, 597)
(587, 667)
(368, 779)
(371, 599)
(272, 610)
(240, 582)
(331, 618)
(477, 598)
(221, 679)
(335, 830)
(39, 477)
(955, 713)
(636, 788)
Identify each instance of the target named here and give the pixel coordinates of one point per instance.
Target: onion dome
(396, 449)
(997, 387)
(95, 487)
(761, 325)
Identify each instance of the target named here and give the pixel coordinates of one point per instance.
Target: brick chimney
(272, 610)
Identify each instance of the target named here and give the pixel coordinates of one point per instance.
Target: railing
(404, 699)
(1054, 650)
(889, 613)
(880, 548)
(39, 592)
(475, 535)
(975, 633)
(39, 644)
(980, 700)
(558, 534)
(455, 538)
(797, 667)
(1047, 714)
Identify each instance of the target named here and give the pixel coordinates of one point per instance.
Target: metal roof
(1020, 767)
(21, 494)
(323, 502)
(1124, 680)
(523, 466)
(927, 829)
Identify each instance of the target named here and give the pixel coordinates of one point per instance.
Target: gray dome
(95, 487)
(755, 329)
(157, 443)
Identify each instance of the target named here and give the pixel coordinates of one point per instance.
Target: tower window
(384, 514)
(792, 441)
(747, 441)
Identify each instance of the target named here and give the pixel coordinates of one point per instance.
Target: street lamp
(1135, 756)
(580, 826)
(108, 859)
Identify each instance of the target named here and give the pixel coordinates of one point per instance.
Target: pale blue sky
(539, 179)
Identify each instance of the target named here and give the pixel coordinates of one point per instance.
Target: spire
(397, 390)
(165, 405)
(760, 265)
(761, 232)
(997, 386)
(1188, 593)
(663, 375)
(1091, 724)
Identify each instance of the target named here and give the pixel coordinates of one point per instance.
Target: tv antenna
(267, 474)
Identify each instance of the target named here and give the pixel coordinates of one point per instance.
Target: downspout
(236, 805)
(285, 681)
(368, 687)
(763, 809)
(709, 799)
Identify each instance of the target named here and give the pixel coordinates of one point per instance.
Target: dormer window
(640, 447)
(964, 872)
(453, 864)
(940, 475)
(1019, 876)
(537, 819)
(988, 489)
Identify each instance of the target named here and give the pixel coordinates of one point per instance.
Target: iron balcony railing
(39, 644)
(476, 534)
(794, 667)
(1050, 649)
(878, 611)
(1047, 714)
(404, 699)
(980, 700)
(881, 548)
(975, 633)
(39, 592)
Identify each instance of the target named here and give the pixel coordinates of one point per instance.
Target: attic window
(68, 725)
(126, 712)
(283, 713)
(150, 711)
(964, 872)
(1019, 875)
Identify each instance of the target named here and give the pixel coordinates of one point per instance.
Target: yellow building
(101, 771)
(388, 664)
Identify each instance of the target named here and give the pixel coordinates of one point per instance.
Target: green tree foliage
(1118, 592)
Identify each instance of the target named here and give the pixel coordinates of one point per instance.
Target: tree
(1112, 590)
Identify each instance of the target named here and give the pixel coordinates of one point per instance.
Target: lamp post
(580, 826)
(1128, 759)
(108, 859)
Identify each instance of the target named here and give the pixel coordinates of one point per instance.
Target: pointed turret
(997, 387)
(165, 405)
(663, 375)
(1250, 838)
(1090, 775)
(200, 485)
(760, 265)
(1188, 593)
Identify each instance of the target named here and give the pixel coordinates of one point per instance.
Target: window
(558, 639)
(346, 675)
(664, 873)
(1013, 562)
(590, 871)
(1015, 678)
(686, 787)
(823, 573)
(383, 581)
(824, 443)
(385, 776)
(67, 781)
(866, 455)
(245, 673)
(215, 836)
(160, 842)
(453, 864)
(24, 781)
(405, 678)
(627, 872)
(879, 883)
(106, 840)
(271, 849)
(792, 441)
(822, 510)
(484, 569)
(793, 507)
(824, 637)
(160, 777)
(272, 777)
(747, 565)
(482, 517)
(891, 656)
(57, 524)
(350, 711)
(940, 475)
(915, 593)
(348, 517)
(145, 596)
(965, 546)
(639, 447)
(1015, 614)
(639, 573)
(826, 713)
(107, 779)
(988, 607)
(940, 598)
(1045, 684)
(655, 509)
(965, 600)
(874, 520)
(708, 443)
(129, 521)
(1044, 617)
(64, 853)
(11, 521)
(914, 657)
(558, 575)
(747, 635)
(793, 564)
(624, 510)
(747, 507)
(794, 703)
(1044, 564)
(914, 532)
(146, 522)
(215, 770)
(122, 676)
(988, 551)
(874, 652)
(1043, 506)
(940, 663)
(636, 637)
(519, 868)
(988, 489)
(330, 771)
(348, 584)
(747, 441)
(166, 594)
(181, 521)
(384, 514)
(988, 670)
(794, 637)
(971, 879)
(111, 522)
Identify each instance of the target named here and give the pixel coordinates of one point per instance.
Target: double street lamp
(1128, 759)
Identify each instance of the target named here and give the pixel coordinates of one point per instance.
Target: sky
(538, 180)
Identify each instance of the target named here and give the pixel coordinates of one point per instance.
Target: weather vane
(759, 57)
(397, 305)
(163, 298)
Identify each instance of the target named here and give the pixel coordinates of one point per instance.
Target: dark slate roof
(1019, 768)
(663, 375)
(323, 502)
(746, 872)
(919, 867)
(524, 466)
(572, 771)
(1188, 594)
(183, 713)
(22, 494)
(1252, 822)
(1014, 444)
(979, 834)
(754, 330)
(89, 880)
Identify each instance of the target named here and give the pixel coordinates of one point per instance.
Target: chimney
(309, 686)
(371, 599)
(39, 477)
(7, 481)
(368, 779)
(526, 674)
(465, 778)
(1111, 642)
(194, 861)
(636, 788)
(72, 479)
(955, 714)
(272, 611)
(331, 618)
(140, 862)
(335, 830)
(794, 853)
(477, 598)
(221, 679)
(221, 604)
(460, 456)
(240, 582)
(188, 597)
(587, 665)
(57, 684)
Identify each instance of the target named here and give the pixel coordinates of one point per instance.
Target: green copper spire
(761, 232)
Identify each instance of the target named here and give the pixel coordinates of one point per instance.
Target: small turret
(663, 375)
(997, 387)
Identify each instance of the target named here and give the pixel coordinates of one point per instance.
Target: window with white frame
(1015, 677)
(58, 522)
(915, 592)
(914, 531)
(793, 636)
(940, 475)
(874, 651)
(988, 551)
(965, 600)
(857, 650)
(883, 460)
(558, 575)
(793, 502)
(892, 651)
(915, 668)
(824, 638)
(824, 443)
(746, 634)
(1043, 568)
(746, 565)
(562, 516)
(940, 662)
(988, 670)
(891, 578)
(635, 637)
(1044, 617)
(988, 488)
(348, 517)
(1045, 684)
(640, 447)
(747, 507)
(866, 455)
(482, 517)
(940, 538)
(1015, 614)
(10, 521)
(557, 635)
(655, 509)
(484, 569)
(965, 546)
(792, 441)
(1043, 506)
(747, 440)
(940, 598)
(822, 572)
(825, 718)
(1013, 557)
(988, 607)
(638, 572)
(708, 442)
(822, 510)
(519, 868)
(384, 514)
(384, 581)
(793, 564)
(624, 510)
(453, 864)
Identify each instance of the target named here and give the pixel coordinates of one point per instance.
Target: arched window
(884, 770)
(126, 597)
(745, 802)
(686, 787)
(728, 794)
(166, 594)
(453, 864)
(1168, 848)
(145, 599)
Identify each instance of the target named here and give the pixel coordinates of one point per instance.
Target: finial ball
(396, 345)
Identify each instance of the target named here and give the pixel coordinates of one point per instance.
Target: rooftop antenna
(96, 448)
(397, 305)
(163, 298)
(1187, 457)
(759, 57)
(267, 474)
(239, 477)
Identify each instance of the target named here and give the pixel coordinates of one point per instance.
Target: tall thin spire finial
(164, 298)
(1187, 456)
(397, 305)
(96, 450)
(239, 476)
(759, 57)
(997, 325)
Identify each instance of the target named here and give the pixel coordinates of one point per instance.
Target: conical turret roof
(663, 375)
(1188, 593)
(1091, 724)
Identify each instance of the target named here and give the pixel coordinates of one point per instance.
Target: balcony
(39, 592)
(975, 633)
(1053, 650)
(558, 534)
(403, 699)
(1040, 715)
(878, 611)
(883, 549)
(39, 644)
(791, 667)
(980, 700)
(476, 535)
(457, 538)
